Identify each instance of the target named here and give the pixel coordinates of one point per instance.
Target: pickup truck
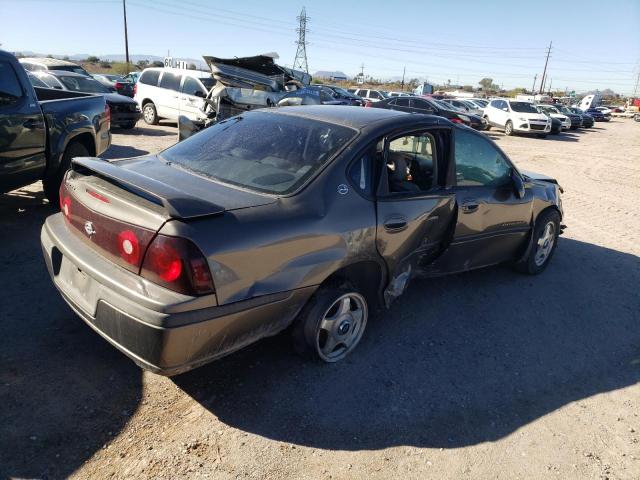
(42, 129)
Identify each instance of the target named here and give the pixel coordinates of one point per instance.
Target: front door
(413, 211)
(168, 95)
(192, 99)
(22, 133)
(492, 221)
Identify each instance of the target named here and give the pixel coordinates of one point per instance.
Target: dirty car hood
(539, 177)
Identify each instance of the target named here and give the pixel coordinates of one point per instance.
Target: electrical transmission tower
(301, 53)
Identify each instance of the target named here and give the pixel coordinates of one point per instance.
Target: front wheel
(150, 114)
(545, 240)
(508, 128)
(330, 326)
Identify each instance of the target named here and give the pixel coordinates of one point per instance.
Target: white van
(171, 92)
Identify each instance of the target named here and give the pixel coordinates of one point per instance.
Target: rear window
(171, 81)
(150, 77)
(10, 89)
(261, 151)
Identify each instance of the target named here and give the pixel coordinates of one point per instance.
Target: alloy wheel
(341, 327)
(545, 244)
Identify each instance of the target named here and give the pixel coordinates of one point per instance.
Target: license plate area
(78, 286)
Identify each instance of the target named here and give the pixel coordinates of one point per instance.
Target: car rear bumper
(120, 118)
(160, 330)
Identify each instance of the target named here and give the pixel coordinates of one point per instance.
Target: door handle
(32, 123)
(469, 207)
(395, 223)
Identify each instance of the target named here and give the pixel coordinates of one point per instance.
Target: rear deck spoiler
(176, 203)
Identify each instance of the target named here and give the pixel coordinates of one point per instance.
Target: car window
(50, 80)
(10, 89)
(362, 93)
(170, 81)
(325, 96)
(36, 82)
(374, 94)
(261, 151)
(410, 166)
(478, 163)
(83, 84)
(421, 104)
(150, 77)
(402, 102)
(191, 86)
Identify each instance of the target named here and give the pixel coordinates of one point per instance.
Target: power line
(301, 53)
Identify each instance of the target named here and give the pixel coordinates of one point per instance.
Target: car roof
(48, 61)
(181, 71)
(62, 73)
(354, 117)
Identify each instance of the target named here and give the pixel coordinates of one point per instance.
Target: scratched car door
(413, 210)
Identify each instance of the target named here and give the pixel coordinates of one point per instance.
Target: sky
(596, 44)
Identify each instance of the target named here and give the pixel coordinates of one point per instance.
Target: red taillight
(65, 201)
(118, 86)
(456, 120)
(129, 247)
(177, 264)
(102, 198)
(135, 88)
(107, 113)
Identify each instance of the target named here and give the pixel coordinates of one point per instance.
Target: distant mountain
(330, 75)
(115, 57)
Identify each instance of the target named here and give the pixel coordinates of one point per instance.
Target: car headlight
(522, 119)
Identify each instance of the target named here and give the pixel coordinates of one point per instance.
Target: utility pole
(533, 89)
(404, 70)
(126, 37)
(550, 83)
(301, 53)
(545, 67)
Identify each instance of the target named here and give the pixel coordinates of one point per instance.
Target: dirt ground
(488, 374)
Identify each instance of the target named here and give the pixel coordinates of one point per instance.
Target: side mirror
(518, 184)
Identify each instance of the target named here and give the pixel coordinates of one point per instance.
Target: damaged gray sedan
(307, 217)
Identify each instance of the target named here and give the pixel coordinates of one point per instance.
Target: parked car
(132, 77)
(636, 117)
(577, 119)
(431, 107)
(311, 95)
(231, 236)
(116, 83)
(169, 93)
(481, 102)
(553, 112)
(124, 110)
(587, 120)
(597, 115)
(370, 95)
(464, 106)
(516, 117)
(37, 64)
(342, 94)
(398, 94)
(42, 129)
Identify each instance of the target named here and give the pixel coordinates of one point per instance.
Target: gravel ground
(488, 374)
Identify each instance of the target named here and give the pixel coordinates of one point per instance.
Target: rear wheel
(508, 128)
(150, 114)
(331, 325)
(52, 184)
(545, 239)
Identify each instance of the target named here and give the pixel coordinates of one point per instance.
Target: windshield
(523, 107)
(70, 68)
(482, 103)
(549, 109)
(446, 106)
(342, 92)
(567, 110)
(83, 84)
(262, 151)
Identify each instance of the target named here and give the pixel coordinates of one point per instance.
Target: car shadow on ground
(64, 392)
(122, 151)
(458, 361)
(142, 129)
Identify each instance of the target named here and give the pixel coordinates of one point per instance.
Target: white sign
(170, 63)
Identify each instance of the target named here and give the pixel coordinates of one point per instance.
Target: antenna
(301, 53)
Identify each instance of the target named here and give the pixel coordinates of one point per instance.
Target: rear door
(192, 98)
(168, 104)
(22, 132)
(413, 211)
(492, 221)
(419, 105)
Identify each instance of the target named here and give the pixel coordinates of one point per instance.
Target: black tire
(311, 338)
(532, 264)
(508, 128)
(128, 126)
(149, 113)
(52, 184)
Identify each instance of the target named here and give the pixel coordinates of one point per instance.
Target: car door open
(413, 211)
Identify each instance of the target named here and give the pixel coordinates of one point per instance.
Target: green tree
(92, 59)
(142, 64)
